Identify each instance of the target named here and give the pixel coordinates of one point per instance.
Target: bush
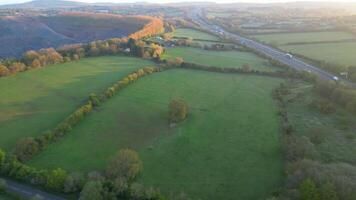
(178, 111)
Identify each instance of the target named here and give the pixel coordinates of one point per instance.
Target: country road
(28, 192)
(283, 57)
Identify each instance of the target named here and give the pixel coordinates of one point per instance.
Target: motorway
(283, 57)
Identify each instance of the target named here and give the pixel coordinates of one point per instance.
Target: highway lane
(283, 57)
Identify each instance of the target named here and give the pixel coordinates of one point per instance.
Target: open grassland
(35, 101)
(232, 59)
(335, 53)
(333, 135)
(228, 148)
(307, 37)
(194, 34)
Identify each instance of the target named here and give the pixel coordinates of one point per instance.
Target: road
(283, 57)
(28, 192)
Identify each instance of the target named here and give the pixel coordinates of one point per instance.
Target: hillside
(25, 33)
(43, 4)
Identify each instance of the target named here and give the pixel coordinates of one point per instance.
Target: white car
(335, 78)
(288, 55)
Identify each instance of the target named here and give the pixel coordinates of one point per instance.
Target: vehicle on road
(288, 55)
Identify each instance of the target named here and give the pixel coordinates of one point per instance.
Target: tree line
(117, 181)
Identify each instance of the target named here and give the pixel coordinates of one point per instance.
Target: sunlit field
(35, 101)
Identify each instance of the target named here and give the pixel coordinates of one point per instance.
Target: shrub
(178, 110)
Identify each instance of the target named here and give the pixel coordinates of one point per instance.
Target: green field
(335, 53)
(228, 148)
(285, 38)
(194, 34)
(232, 59)
(35, 101)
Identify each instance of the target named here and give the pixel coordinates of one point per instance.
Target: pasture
(307, 37)
(228, 148)
(335, 53)
(232, 59)
(194, 34)
(35, 101)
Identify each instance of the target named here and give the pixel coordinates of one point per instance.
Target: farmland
(307, 37)
(333, 47)
(229, 142)
(335, 53)
(194, 34)
(233, 59)
(39, 99)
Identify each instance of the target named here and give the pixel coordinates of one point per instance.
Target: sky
(168, 1)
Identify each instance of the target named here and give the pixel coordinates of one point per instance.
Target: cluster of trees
(116, 182)
(337, 93)
(178, 110)
(307, 178)
(27, 147)
(154, 26)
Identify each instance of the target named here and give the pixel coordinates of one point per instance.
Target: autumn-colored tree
(35, 64)
(17, 67)
(126, 164)
(246, 67)
(178, 110)
(4, 71)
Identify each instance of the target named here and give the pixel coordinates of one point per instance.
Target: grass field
(233, 59)
(228, 148)
(35, 101)
(285, 38)
(194, 34)
(336, 53)
(338, 142)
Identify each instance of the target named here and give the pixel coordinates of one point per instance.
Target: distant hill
(43, 4)
(33, 33)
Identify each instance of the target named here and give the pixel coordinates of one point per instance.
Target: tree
(328, 192)
(92, 191)
(4, 71)
(17, 67)
(36, 64)
(308, 190)
(126, 164)
(246, 67)
(93, 98)
(73, 183)
(57, 179)
(26, 148)
(178, 110)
